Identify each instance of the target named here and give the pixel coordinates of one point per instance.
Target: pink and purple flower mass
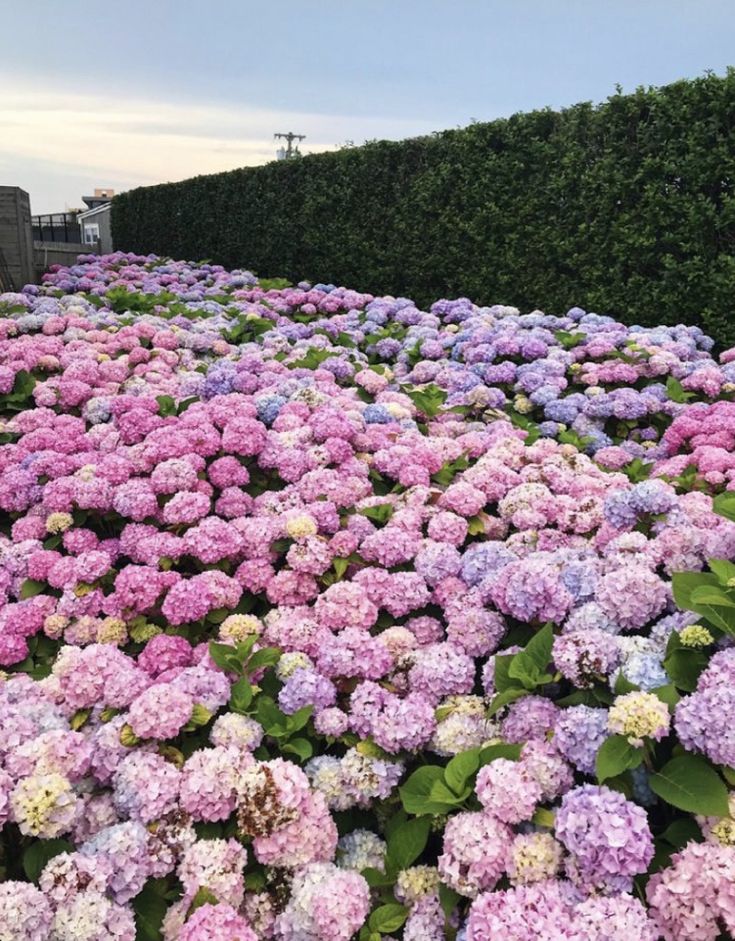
(326, 617)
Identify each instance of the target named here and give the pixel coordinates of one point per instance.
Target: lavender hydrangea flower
(607, 837)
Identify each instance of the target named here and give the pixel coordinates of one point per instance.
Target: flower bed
(325, 617)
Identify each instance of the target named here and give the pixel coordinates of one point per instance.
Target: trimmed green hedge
(626, 208)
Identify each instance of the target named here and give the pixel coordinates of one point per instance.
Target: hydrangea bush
(324, 617)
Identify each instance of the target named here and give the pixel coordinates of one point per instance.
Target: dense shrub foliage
(325, 617)
(626, 208)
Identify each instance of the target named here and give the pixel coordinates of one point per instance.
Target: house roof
(93, 212)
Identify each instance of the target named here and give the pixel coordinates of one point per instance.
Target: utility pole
(289, 151)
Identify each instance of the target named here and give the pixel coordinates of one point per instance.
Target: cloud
(135, 141)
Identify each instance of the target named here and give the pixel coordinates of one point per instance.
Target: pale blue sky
(147, 90)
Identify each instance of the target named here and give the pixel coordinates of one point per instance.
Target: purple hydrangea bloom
(579, 731)
(607, 837)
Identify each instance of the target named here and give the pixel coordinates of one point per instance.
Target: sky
(143, 91)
